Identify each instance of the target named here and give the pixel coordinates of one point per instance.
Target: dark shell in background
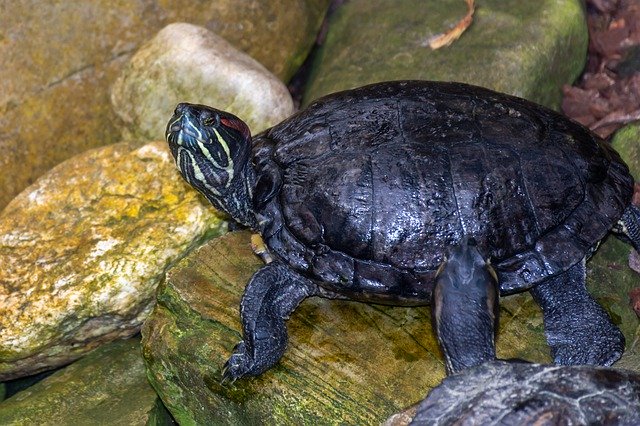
(518, 393)
(383, 179)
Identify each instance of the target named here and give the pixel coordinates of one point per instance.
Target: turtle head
(212, 149)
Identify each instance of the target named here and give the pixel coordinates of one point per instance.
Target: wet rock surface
(343, 360)
(83, 249)
(521, 393)
(346, 361)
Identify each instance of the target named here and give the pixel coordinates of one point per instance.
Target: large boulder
(83, 249)
(59, 59)
(529, 49)
(188, 63)
(519, 393)
(346, 363)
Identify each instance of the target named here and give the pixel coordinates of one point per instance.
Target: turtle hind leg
(271, 296)
(577, 328)
(628, 227)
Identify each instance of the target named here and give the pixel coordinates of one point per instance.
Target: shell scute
(392, 175)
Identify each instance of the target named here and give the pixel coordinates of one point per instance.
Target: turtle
(511, 392)
(519, 393)
(361, 195)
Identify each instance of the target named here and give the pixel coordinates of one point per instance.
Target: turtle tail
(631, 225)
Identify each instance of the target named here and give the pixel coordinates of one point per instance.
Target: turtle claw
(227, 374)
(237, 366)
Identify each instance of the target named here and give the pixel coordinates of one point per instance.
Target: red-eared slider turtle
(512, 393)
(362, 194)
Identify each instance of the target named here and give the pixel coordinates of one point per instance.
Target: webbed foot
(603, 348)
(578, 330)
(271, 296)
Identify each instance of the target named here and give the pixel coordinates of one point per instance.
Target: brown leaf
(448, 37)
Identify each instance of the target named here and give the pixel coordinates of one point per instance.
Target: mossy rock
(346, 363)
(528, 49)
(627, 142)
(108, 386)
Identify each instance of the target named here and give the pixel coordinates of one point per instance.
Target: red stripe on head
(238, 125)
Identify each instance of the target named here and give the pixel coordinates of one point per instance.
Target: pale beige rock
(188, 63)
(83, 249)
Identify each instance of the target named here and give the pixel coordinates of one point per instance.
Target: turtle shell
(518, 393)
(365, 190)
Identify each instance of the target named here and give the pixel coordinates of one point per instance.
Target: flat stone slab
(346, 363)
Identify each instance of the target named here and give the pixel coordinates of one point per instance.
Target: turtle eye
(210, 120)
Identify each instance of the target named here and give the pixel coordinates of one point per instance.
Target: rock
(402, 418)
(517, 393)
(528, 49)
(83, 249)
(609, 280)
(12, 387)
(341, 362)
(627, 142)
(187, 63)
(276, 33)
(55, 79)
(350, 361)
(109, 386)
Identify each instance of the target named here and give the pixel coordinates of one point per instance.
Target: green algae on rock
(108, 386)
(609, 280)
(627, 142)
(187, 63)
(346, 363)
(528, 49)
(84, 248)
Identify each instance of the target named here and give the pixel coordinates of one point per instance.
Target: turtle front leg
(271, 296)
(578, 329)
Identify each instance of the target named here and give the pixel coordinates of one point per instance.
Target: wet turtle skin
(518, 393)
(361, 195)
